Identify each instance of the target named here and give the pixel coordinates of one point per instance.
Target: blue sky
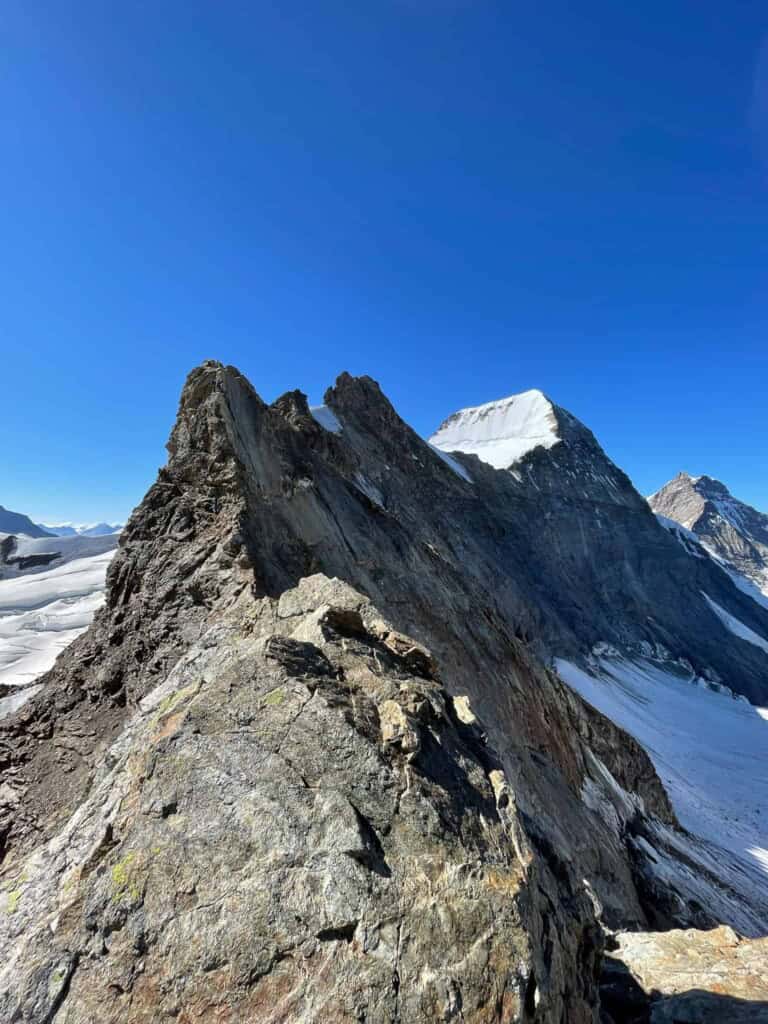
(462, 199)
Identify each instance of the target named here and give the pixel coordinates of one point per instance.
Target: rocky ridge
(678, 977)
(299, 824)
(257, 506)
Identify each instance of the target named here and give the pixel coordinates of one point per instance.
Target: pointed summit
(501, 432)
(733, 531)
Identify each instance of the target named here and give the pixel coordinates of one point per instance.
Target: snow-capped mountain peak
(501, 432)
(81, 529)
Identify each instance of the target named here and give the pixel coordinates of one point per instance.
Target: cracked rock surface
(297, 825)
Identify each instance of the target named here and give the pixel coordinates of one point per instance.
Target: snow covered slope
(502, 432)
(736, 627)
(708, 747)
(24, 555)
(42, 610)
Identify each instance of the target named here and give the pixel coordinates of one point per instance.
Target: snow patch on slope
(759, 596)
(455, 465)
(735, 626)
(326, 418)
(41, 614)
(686, 537)
(502, 432)
(708, 749)
(699, 548)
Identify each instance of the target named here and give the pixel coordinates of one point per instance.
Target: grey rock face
(731, 529)
(252, 791)
(298, 825)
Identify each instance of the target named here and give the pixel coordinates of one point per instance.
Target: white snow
(708, 749)
(502, 432)
(455, 465)
(326, 418)
(40, 614)
(67, 549)
(77, 578)
(673, 526)
(732, 511)
(683, 535)
(735, 626)
(759, 596)
(699, 548)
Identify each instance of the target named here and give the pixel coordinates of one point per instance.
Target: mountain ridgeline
(311, 762)
(16, 522)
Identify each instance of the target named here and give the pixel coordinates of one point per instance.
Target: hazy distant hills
(80, 529)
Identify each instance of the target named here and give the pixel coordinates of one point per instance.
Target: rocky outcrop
(685, 977)
(730, 529)
(299, 824)
(252, 791)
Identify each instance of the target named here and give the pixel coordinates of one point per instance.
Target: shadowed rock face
(228, 718)
(731, 529)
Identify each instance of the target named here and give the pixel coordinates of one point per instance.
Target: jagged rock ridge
(254, 500)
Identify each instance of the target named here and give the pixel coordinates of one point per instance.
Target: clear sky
(463, 199)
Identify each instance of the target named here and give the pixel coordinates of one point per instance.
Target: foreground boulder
(686, 977)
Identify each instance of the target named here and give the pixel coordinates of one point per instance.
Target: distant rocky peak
(736, 533)
(707, 486)
(686, 498)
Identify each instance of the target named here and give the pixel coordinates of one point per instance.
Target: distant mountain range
(18, 523)
(80, 529)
